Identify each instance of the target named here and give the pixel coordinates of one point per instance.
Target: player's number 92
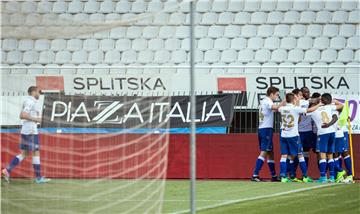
(288, 120)
(324, 117)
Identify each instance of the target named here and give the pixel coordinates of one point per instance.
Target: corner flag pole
(351, 148)
(192, 114)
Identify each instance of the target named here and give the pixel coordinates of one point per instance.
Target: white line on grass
(254, 198)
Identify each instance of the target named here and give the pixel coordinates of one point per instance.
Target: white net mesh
(106, 170)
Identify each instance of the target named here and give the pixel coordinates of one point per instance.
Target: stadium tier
(156, 33)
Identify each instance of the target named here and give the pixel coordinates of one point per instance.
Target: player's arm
(313, 108)
(332, 122)
(275, 107)
(26, 116)
(25, 113)
(338, 105)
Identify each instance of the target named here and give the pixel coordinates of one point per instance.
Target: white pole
(193, 115)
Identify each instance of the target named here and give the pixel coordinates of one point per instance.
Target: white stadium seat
(235, 5)
(321, 43)
(275, 17)
(339, 17)
(138, 7)
(345, 55)
(30, 57)
(354, 17)
(242, 18)
(291, 17)
(44, 7)
(222, 43)
(255, 43)
(139, 44)
(26, 44)
(332, 5)
(203, 6)
(338, 43)
(328, 55)
(58, 44)
(133, 32)
(307, 17)
(272, 43)
(209, 18)
(79, 57)
(201, 31)
(9, 44)
(281, 30)
(182, 32)
(245, 55)
(63, 57)
(75, 6)
(29, 7)
(265, 30)
(228, 56)
(154, 6)
(295, 55)
(205, 44)
(166, 32)
(323, 17)
(219, 6)
(279, 55)
(232, 31)
(288, 43)
(312, 55)
(216, 31)
(59, 7)
(212, 56)
(314, 30)
(252, 5)
(268, 5)
(225, 18)
(129, 56)
(262, 55)
(177, 19)
(304, 43)
(46, 57)
(90, 44)
(248, 31)
(156, 44)
(297, 30)
(92, 6)
(330, 30)
(284, 6)
(172, 44)
(107, 6)
(178, 56)
(145, 56)
(353, 43)
(161, 19)
(258, 18)
(238, 43)
(300, 5)
(106, 44)
(316, 5)
(122, 7)
(346, 30)
(162, 56)
(95, 57)
(42, 44)
(74, 44)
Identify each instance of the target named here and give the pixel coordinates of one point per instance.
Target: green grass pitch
(213, 196)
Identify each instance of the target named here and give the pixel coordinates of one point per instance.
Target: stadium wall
(219, 156)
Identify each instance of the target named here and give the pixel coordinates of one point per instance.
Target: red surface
(232, 84)
(218, 156)
(50, 82)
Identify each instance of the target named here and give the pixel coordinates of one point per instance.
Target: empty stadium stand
(227, 33)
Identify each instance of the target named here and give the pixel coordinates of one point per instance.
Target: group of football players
(309, 122)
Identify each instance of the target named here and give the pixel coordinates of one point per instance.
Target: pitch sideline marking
(255, 198)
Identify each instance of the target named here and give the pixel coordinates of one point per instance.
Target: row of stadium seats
(70, 69)
(221, 43)
(108, 6)
(180, 56)
(230, 31)
(178, 18)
